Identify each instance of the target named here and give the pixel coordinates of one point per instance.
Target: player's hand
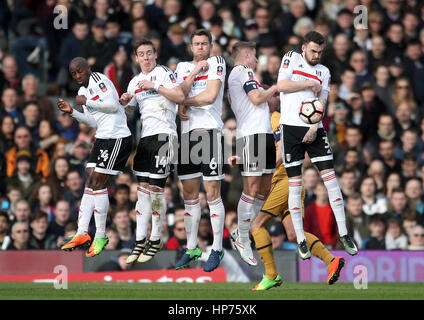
(146, 85)
(316, 88)
(64, 106)
(311, 135)
(182, 112)
(125, 98)
(201, 66)
(91, 61)
(80, 100)
(232, 161)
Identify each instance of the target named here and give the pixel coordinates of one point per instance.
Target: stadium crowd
(374, 118)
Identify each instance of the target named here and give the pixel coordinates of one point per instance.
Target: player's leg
(317, 249)
(322, 156)
(211, 165)
(271, 209)
(293, 154)
(111, 162)
(82, 238)
(189, 173)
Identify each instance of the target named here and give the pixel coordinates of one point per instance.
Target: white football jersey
(109, 125)
(208, 116)
(251, 119)
(294, 67)
(157, 112)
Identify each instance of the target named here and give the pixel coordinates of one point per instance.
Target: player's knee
(291, 235)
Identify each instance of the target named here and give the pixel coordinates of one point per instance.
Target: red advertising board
(39, 261)
(164, 275)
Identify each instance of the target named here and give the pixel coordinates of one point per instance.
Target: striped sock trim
(100, 192)
(214, 202)
(260, 197)
(295, 183)
(144, 190)
(191, 202)
(247, 198)
(328, 176)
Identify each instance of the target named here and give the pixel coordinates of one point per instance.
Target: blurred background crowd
(374, 119)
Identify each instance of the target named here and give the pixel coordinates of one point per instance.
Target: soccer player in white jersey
(200, 153)
(110, 152)
(255, 142)
(301, 76)
(156, 92)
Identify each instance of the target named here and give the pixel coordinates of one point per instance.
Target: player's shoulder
(323, 68)
(184, 64)
(162, 69)
(216, 60)
(292, 54)
(98, 77)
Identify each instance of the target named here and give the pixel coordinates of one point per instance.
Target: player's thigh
(320, 151)
(141, 161)
(191, 188)
(211, 154)
(212, 188)
(161, 150)
(292, 148)
(113, 155)
(276, 203)
(251, 185)
(189, 164)
(260, 221)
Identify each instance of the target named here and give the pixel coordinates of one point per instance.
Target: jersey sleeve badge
(102, 87)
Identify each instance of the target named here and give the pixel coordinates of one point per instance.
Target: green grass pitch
(209, 291)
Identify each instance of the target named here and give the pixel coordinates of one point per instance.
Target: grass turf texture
(206, 291)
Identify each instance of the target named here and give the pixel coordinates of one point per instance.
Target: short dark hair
(122, 187)
(142, 42)
(38, 215)
(409, 156)
(315, 37)
(5, 215)
(241, 45)
(201, 32)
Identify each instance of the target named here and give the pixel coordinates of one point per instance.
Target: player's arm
(186, 84)
(105, 101)
(288, 86)
(79, 116)
(257, 97)
(174, 93)
(207, 96)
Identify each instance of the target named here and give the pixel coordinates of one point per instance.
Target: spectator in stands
(121, 221)
(402, 93)
(376, 240)
(385, 131)
(386, 152)
(42, 200)
(78, 156)
(270, 74)
(74, 192)
(115, 242)
(398, 204)
(414, 194)
(13, 194)
(404, 121)
(9, 75)
(24, 177)
(174, 46)
(62, 213)
(250, 30)
(125, 178)
(68, 50)
(310, 180)
(411, 23)
(206, 12)
(359, 63)
(22, 211)
(353, 138)
(117, 263)
(100, 10)
(30, 87)
(395, 40)
(205, 233)
(9, 105)
(338, 125)
(179, 238)
(121, 196)
(393, 181)
(413, 61)
(5, 239)
(20, 236)
(48, 135)
(357, 221)
(7, 130)
(113, 32)
(395, 238)
(373, 202)
(377, 55)
(416, 239)
(119, 70)
(375, 19)
(384, 86)
(377, 171)
(243, 13)
(348, 78)
(97, 49)
(40, 238)
(31, 113)
(297, 9)
(337, 57)
(372, 103)
(359, 116)
(57, 178)
(278, 235)
(140, 28)
(409, 166)
(218, 35)
(68, 126)
(348, 180)
(319, 218)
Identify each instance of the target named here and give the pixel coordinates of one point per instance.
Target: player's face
(146, 57)
(81, 75)
(252, 61)
(201, 47)
(312, 52)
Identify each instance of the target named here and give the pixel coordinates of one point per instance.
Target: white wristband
(156, 87)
